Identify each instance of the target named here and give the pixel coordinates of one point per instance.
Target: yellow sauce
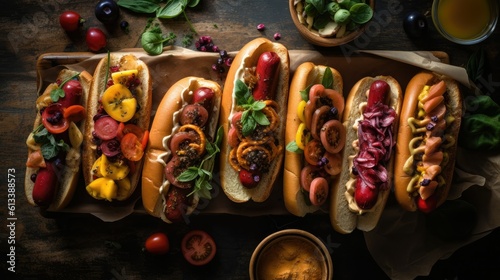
(464, 19)
(291, 258)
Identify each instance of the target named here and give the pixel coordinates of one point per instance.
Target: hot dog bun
(154, 184)
(142, 93)
(246, 58)
(306, 75)
(448, 138)
(68, 178)
(343, 219)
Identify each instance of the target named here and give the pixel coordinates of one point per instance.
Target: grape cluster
(206, 44)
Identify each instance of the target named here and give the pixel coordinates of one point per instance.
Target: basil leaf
(48, 151)
(57, 93)
(260, 118)
(305, 94)
(361, 13)
(293, 147)
(241, 93)
(188, 175)
(152, 41)
(193, 3)
(172, 9)
(327, 80)
(259, 105)
(140, 6)
(248, 125)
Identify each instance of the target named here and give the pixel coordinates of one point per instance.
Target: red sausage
(365, 196)
(267, 72)
(45, 186)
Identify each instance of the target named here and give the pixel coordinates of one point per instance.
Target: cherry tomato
(75, 113)
(204, 96)
(106, 128)
(334, 163)
(194, 114)
(72, 93)
(96, 39)
(314, 152)
(428, 205)
(248, 179)
(107, 11)
(232, 138)
(319, 118)
(181, 140)
(53, 119)
(176, 204)
(131, 147)
(173, 169)
(157, 244)
(129, 128)
(70, 21)
(198, 247)
(307, 174)
(333, 136)
(319, 191)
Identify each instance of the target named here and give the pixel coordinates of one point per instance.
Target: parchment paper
(477, 175)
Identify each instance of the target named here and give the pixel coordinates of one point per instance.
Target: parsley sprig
(202, 174)
(58, 92)
(50, 147)
(252, 109)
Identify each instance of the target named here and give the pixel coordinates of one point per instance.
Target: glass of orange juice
(465, 22)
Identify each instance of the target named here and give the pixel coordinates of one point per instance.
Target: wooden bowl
(313, 37)
(291, 252)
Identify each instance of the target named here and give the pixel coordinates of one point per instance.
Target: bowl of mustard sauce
(291, 254)
(465, 22)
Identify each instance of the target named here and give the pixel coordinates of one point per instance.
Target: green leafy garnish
(58, 92)
(293, 147)
(252, 109)
(202, 174)
(49, 146)
(153, 40)
(476, 65)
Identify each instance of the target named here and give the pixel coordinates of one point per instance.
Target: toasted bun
(163, 124)
(248, 57)
(126, 62)
(342, 218)
(67, 181)
(305, 75)
(454, 109)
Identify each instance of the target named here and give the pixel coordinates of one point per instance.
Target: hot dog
(252, 115)
(427, 142)
(371, 119)
(183, 136)
(315, 137)
(116, 129)
(54, 145)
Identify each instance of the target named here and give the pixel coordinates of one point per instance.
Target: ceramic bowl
(481, 36)
(288, 253)
(313, 37)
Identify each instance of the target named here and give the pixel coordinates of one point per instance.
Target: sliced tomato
(333, 136)
(198, 247)
(145, 139)
(75, 113)
(308, 174)
(319, 191)
(131, 147)
(129, 128)
(314, 152)
(53, 119)
(333, 164)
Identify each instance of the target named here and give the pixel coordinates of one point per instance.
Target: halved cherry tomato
(319, 118)
(204, 96)
(319, 191)
(106, 128)
(194, 114)
(333, 136)
(53, 119)
(75, 113)
(173, 169)
(145, 139)
(334, 163)
(157, 244)
(198, 247)
(314, 152)
(131, 147)
(232, 138)
(129, 128)
(180, 141)
(307, 174)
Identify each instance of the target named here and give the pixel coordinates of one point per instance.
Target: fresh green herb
(252, 109)
(293, 147)
(153, 40)
(187, 40)
(49, 146)
(58, 92)
(476, 65)
(202, 174)
(327, 80)
(171, 8)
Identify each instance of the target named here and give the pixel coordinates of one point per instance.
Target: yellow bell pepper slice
(300, 110)
(119, 103)
(123, 76)
(96, 167)
(302, 136)
(103, 188)
(112, 170)
(123, 188)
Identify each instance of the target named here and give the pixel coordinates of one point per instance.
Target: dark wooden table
(83, 247)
